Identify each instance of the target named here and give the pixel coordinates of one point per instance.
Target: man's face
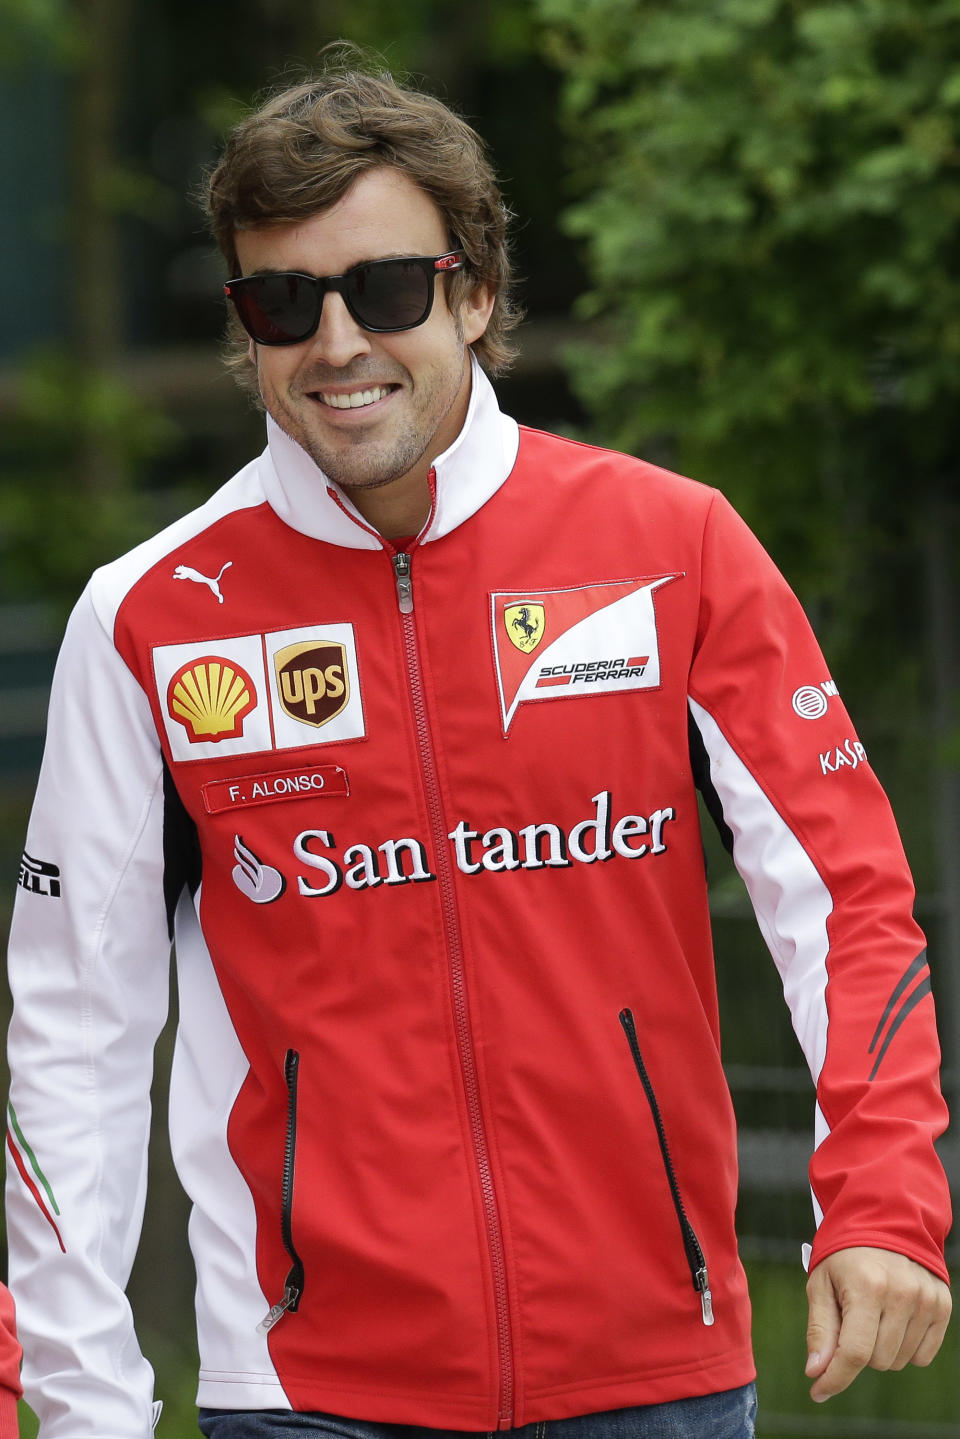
(419, 379)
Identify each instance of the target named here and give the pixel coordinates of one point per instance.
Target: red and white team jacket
(447, 1094)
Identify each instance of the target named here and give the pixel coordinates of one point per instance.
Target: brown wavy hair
(303, 147)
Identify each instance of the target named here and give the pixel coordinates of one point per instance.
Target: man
(402, 729)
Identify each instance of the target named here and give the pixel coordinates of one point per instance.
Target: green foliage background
(769, 202)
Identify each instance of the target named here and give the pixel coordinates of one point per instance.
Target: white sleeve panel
(209, 1068)
(89, 962)
(789, 897)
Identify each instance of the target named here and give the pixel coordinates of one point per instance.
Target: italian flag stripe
(18, 1161)
(31, 1156)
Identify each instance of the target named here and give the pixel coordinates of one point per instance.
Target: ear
(475, 312)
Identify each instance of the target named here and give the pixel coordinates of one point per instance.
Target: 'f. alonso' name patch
(305, 783)
(595, 639)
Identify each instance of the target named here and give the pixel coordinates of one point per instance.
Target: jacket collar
(467, 474)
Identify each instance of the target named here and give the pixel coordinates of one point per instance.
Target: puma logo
(184, 572)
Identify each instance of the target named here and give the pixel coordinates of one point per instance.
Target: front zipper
(691, 1244)
(468, 1064)
(293, 1284)
(401, 566)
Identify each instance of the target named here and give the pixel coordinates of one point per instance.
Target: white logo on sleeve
(811, 702)
(186, 572)
(258, 881)
(852, 754)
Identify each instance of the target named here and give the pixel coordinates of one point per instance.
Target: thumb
(823, 1322)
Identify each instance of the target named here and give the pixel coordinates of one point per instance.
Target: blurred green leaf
(32, 30)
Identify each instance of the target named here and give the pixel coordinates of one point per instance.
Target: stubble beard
(386, 461)
(379, 469)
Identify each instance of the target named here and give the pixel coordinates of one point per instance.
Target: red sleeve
(10, 1390)
(9, 1422)
(818, 849)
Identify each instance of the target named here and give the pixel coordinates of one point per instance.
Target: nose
(338, 338)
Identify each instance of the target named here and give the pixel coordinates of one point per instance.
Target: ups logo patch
(313, 681)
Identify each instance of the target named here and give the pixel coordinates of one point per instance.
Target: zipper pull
(290, 1296)
(401, 565)
(706, 1298)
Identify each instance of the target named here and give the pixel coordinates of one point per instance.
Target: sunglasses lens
(390, 294)
(277, 309)
(385, 295)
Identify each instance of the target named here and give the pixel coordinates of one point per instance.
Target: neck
(402, 507)
(399, 508)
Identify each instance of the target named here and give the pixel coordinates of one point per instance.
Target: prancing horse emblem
(184, 572)
(525, 625)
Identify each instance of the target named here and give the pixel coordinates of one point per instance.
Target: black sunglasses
(382, 295)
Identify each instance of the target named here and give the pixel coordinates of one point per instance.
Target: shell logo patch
(210, 697)
(593, 639)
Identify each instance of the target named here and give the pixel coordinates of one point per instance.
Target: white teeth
(354, 401)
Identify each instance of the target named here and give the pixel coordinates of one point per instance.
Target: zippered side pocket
(691, 1244)
(293, 1284)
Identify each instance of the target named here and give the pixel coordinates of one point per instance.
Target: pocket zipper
(691, 1244)
(293, 1284)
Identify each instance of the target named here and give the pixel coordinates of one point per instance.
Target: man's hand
(871, 1308)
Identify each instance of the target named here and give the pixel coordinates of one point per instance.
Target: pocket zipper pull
(706, 1298)
(290, 1296)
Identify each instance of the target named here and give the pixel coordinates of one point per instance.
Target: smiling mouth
(355, 400)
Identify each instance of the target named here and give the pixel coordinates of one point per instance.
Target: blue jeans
(729, 1415)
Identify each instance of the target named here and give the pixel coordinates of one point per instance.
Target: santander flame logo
(258, 881)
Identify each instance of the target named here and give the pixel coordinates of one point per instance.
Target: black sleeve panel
(182, 863)
(700, 764)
